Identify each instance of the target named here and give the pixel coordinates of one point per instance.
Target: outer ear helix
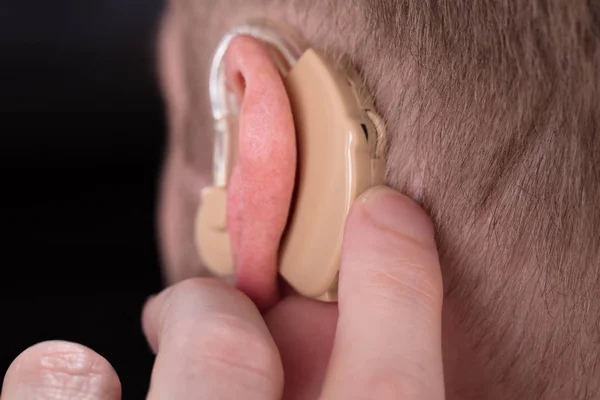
(211, 235)
(224, 103)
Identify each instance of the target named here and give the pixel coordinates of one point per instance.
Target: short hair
(493, 111)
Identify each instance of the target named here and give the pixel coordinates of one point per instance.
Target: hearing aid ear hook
(212, 238)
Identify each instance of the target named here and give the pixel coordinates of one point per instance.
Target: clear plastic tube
(223, 102)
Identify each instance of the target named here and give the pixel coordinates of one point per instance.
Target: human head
(492, 110)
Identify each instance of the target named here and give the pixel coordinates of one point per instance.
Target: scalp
(493, 109)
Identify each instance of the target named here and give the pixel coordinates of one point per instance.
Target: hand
(381, 341)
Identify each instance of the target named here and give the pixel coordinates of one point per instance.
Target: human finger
(211, 342)
(60, 370)
(388, 338)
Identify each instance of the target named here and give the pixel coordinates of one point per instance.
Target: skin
(382, 340)
(212, 341)
(491, 110)
(261, 188)
(505, 201)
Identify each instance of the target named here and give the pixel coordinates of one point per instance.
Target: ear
(262, 182)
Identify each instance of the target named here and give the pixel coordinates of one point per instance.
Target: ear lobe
(260, 191)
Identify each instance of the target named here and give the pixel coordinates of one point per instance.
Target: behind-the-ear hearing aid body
(340, 155)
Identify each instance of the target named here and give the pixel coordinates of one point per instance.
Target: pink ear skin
(262, 183)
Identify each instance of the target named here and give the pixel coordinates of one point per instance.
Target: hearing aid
(340, 144)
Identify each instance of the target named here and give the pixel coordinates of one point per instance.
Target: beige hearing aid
(340, 144)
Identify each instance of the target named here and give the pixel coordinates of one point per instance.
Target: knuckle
(409, 271)
(66, 370)
(178, 299)
(227, 341)
(217, 339)
(407, 280)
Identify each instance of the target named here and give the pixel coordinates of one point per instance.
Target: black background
(82, 133)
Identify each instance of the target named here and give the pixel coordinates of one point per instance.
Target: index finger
(388, 339)
(211, 343)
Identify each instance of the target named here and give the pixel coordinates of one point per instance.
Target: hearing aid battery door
(334, 167)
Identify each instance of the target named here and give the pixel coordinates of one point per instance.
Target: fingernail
(391, 210)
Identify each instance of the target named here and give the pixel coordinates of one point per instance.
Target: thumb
(388, 337)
